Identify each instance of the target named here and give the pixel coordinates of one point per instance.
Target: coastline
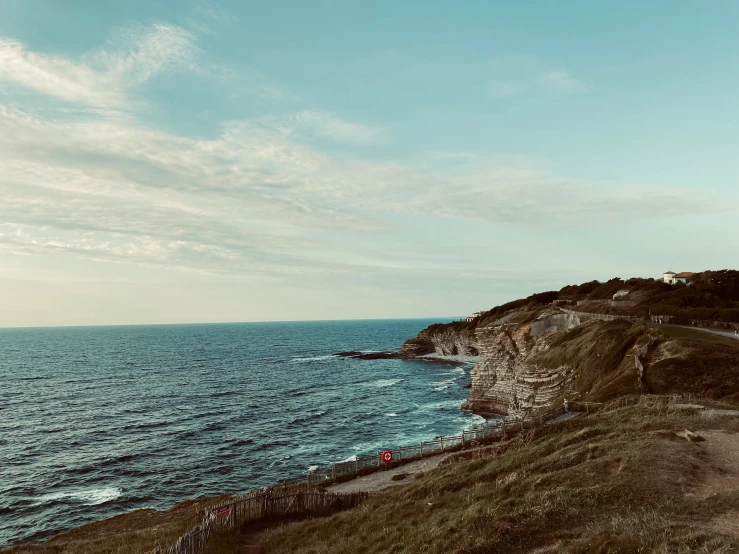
(225, 424)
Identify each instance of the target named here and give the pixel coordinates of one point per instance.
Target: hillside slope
(619, 482)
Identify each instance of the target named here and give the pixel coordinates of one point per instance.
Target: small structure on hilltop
(474, 316)
(672, 278)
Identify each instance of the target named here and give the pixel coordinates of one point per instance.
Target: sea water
(98, 421)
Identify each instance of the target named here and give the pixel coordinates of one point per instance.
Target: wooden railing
(349, 469)
(256, 506)
(304, 494)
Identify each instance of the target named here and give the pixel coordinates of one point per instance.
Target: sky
(175, 161)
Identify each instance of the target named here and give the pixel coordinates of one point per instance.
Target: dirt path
(383, 479)
(721, 473)
(729, 334)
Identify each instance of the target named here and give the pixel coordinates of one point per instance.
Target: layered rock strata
(443, 340)
(505, 381)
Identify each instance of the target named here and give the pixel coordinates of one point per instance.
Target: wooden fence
(612, 303)
(304, 495)
(349, 469)
(607, 317)
(259, 505)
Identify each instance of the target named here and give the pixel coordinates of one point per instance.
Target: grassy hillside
(620, 482)
(137, 531)
(713, 295)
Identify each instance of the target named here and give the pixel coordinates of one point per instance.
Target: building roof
(685, 274)
(669, 273)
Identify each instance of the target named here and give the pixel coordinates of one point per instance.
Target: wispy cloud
(105, 77)
(552, 81)
(310, 124)
(561, 81)
(207, 18)
(253, 198)
(259, 196)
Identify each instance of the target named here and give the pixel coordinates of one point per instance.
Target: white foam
(442, 385)
(478, 420)
(89, 497)
(391, 415)
(312, 359)
(349, 459)
(445, 404)
(312, 468)
(385, 382)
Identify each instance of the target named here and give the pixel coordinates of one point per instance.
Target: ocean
(98, 421)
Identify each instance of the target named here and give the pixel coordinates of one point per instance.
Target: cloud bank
(260, 196)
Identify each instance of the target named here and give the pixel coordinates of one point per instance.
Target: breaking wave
(90, 497)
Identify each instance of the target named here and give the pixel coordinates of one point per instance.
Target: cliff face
(507, 380)
(443, 340)
(531, 359)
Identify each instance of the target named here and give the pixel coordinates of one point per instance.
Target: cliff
(533, 358)
(507, 380)
(452, 339)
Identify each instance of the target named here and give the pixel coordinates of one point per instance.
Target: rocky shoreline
(433, 357)
(525, 361)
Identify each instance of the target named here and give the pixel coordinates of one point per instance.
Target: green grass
(608, 483)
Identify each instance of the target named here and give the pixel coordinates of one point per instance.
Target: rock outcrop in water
(442, 340)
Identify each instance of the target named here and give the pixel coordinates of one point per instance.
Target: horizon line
(96, 325)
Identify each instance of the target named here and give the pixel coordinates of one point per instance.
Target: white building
(474, 316)
(671, 277)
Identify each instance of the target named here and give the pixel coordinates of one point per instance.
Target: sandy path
(383, 479)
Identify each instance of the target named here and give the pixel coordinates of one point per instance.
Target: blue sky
(165, 162)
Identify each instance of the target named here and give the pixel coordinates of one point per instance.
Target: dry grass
(675, 332)
(598, 352)
(136, 532)
(701, 368)
(618, 482)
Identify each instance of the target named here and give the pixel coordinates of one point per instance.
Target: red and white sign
(386, 456)
(224, 511)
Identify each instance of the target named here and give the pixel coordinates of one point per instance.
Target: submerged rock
(369, 355)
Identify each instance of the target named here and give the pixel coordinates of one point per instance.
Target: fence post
(420, 449)
(463, 444)
(441, 440)
(333, 472)
(356, 464)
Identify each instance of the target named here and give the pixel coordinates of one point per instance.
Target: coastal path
(345, 484)
(384, 479)
(729, 334)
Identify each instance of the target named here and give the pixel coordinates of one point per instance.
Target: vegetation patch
(616, 482)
